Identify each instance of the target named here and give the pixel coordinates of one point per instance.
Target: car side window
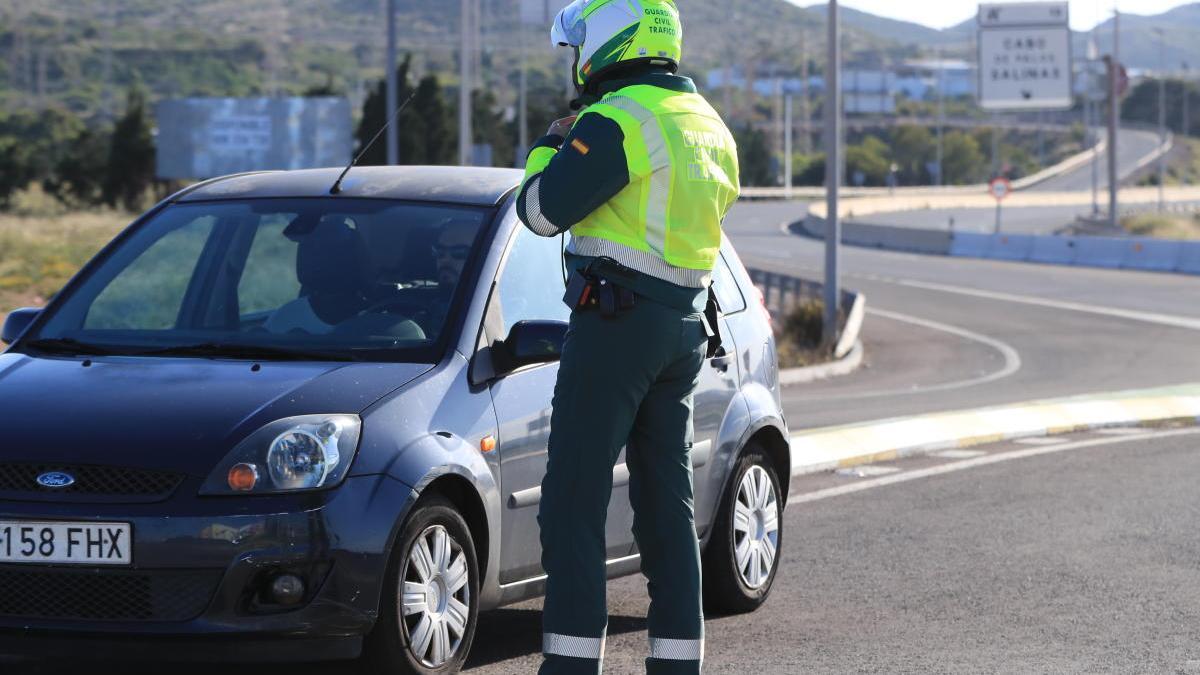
(531, 286)
(149, 293)
(269, 279)
(725, 285)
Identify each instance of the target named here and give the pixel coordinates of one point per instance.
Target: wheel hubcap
(755, 528)
(435, 597)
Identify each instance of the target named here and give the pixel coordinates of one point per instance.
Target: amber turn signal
(243, 477)
(488, 444)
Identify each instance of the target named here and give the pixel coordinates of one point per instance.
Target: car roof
(447, 184)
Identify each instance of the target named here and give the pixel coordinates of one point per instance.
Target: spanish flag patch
(580, 146)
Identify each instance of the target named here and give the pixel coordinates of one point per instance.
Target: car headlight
(308, 452)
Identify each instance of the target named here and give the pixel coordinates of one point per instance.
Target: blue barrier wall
(1136, 253)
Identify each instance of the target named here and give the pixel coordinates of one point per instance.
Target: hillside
(69, 50)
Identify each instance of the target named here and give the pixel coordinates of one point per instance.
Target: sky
(943, 13)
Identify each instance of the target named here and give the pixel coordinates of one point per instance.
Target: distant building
(866, 91)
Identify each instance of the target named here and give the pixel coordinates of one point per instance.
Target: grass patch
(799, 337)
(1163, 226)
(39, 253)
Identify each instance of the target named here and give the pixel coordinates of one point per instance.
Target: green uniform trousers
(623, 380)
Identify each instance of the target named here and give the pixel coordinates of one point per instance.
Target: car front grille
(19, 480)
(105, 595)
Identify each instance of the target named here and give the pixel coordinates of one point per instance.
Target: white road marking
(1132, 315)
(1120, 431)
(958, 454)
(866, 471)
(1041, 440)
(1012, 360)
(995, 458)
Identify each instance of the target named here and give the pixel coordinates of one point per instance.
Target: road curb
(836, 447)
(843, 366)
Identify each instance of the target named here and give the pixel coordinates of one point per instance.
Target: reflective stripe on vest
(676, 650)
(683, 175)
(570, 645)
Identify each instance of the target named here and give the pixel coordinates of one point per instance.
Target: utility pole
(833, 176)
(1091, 121)
(106, 97)
(1162, 116)
(393, 87)
(523, 96)
(941, 114)
(788, 130)
(1114, 118)
(465, 85)
(805, 107)
(1186, 94)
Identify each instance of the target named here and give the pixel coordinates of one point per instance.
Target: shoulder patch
(580, 146)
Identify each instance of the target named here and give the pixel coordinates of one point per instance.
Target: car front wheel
(431, 595)
(743, 553)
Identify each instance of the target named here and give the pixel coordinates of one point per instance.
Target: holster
(712, 324)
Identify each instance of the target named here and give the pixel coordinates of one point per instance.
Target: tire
(419, 558)
(730, 587)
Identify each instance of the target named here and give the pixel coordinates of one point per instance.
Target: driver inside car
(333, 268)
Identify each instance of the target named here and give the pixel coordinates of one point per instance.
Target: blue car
(268, 422)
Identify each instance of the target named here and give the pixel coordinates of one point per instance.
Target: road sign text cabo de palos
(1024, 56)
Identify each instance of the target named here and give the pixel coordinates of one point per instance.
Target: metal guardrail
(782, 293)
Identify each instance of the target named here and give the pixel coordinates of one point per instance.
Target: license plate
(66, 543)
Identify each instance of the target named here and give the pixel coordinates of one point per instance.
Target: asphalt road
(1083, 560)
(1132, 148)
(1078, 556)
(950, 333)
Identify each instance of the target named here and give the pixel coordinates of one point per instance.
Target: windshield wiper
(72, 346)
(245, 351)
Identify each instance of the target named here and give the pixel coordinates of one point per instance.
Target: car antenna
(337, 185)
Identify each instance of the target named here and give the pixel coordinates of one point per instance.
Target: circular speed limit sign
(1000, 188)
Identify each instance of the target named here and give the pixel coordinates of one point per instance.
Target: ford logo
(56, 479)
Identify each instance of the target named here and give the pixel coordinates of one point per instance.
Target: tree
(14, 169)
(131, 156)
(870, 158)
(375, 116)
(754, 157)
(962, 160)
(912, 149)
(438, 142)
(489, 127)
(425, 129)
(78, 177)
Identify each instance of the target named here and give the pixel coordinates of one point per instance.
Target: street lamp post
(941, 113)
(833, 178)
(393, 87)
(1185, 94)
(466, 84)
(1162, 115)
(1114, 120)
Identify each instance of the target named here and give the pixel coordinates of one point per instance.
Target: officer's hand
(562, 127)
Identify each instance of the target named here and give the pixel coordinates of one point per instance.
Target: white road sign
(1024, 56)
(1024, 14)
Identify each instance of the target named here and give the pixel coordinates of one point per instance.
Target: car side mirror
(17, 322)
(529, 343)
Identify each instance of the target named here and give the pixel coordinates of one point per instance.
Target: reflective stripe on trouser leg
(595, 402)
(661, 491)
(573, 646)
(669, 649)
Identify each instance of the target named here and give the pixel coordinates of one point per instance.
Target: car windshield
(286, 278)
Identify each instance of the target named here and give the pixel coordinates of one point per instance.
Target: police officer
(642, 180)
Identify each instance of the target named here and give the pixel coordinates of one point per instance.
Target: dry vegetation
(41, 248)
(799, 337)
(1164, 226)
